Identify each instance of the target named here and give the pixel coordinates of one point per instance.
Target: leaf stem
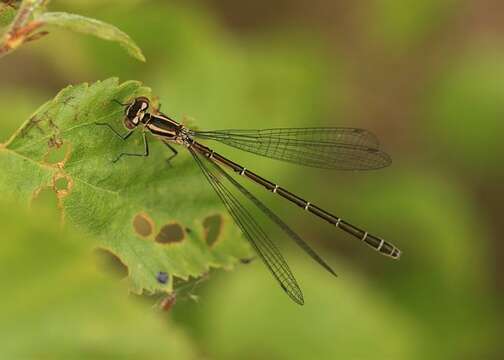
(22, 28)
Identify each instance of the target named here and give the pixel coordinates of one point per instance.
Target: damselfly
(329, 147)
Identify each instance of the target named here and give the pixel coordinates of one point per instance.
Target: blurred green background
(426, 77)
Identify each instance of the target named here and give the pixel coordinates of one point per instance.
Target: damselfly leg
(173, 155)
(124, 137)
(144, 154)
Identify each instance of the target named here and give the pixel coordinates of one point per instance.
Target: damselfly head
(135, 112)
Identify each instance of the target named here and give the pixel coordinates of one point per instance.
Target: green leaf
(152, 216)
(56, 305)
(7, 14)
(94, 27)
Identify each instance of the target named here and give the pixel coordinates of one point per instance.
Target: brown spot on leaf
(170, 233)
(213, 227)
(143, 225)
(247, 261)
(55, 142)
(110, 263)
(44, 124)
(34, 122)
(58, 152)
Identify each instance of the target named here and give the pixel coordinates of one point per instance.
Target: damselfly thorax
(159, 124)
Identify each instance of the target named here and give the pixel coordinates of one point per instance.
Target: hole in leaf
(170, 233)
(213, 227)
(61, 184)
(143, 225)
(109, 263)
(162, 277)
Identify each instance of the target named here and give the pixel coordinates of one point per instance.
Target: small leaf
(7, 14)
(151, 216)
(94, 27)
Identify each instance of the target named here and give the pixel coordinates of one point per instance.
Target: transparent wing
(327, 147)
(276, 219)
(257, 237)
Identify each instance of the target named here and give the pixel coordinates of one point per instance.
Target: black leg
(145, 153)
(174, 153)
(123, 137)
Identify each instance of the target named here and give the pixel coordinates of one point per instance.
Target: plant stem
(22, 27)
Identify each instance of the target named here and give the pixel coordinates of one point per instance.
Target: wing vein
(329, 148)
(253, 232)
